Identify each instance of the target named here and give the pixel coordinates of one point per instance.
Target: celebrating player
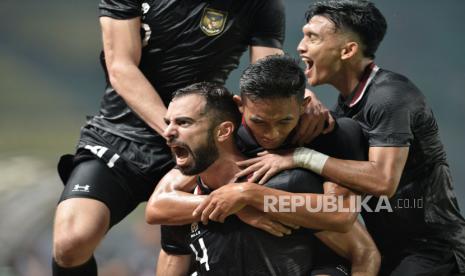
(150, 49)
(406, 159)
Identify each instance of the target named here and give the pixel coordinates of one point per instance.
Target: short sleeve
(269, 25)
(174, 239)
(120, 9)
(389, 116)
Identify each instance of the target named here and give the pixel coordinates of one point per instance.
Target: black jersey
(186, 42)
(235, 248)
(393, 113)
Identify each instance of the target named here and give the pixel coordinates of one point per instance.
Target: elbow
(386, 187)
(154, 213)
(343, 222)
(152, 216)
(117, 72)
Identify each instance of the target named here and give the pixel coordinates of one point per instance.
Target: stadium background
(50, 78)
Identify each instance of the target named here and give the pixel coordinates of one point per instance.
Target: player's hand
(262, 221)
(221, 203)
(266, 165)
(314, 121)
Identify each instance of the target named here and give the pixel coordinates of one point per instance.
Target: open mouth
(308, 64)
(180, 152)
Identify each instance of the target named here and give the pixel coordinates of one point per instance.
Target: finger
(302, 128)
(215, 214)
(317, 131)
(248, 170)
(206, 213)
(258, 174)
(280, 228)
(248, 162)
(331, 124)
(272, 231)
(270, 173)
(309, 130)
(291, 225)
(262, 153)
(201, 207)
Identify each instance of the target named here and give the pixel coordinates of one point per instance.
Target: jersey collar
(362, 86)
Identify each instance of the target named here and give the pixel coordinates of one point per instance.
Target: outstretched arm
(122, 47)
(380, 175)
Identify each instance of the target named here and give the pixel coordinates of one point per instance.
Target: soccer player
(406, 159)
(276, 95)
(150, 49)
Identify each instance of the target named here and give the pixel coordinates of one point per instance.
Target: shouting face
(189, 134)
(320, 49)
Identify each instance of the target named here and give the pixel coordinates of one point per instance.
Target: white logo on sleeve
(78, 188)
(145, 8)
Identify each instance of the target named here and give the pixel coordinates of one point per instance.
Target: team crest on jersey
(194, 227)
(213, 21)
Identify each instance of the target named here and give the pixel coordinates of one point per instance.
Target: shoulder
(392, 91)
(296, 181)
(393, 87)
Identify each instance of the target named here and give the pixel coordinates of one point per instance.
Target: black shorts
(424, 262)
(116, 171)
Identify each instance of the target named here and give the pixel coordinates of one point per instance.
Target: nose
(301, 47)
(170, 132)
(271, 134)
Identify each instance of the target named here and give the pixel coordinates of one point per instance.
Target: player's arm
(306, 207)
(380, 175)
(172, 202)
(389, 135)
(258, 52)
(122, 47)
(172, 265)
(357, 246)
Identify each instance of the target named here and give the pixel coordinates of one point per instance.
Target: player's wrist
(246, 192)
(310, 159)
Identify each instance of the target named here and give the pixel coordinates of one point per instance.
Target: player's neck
(223, 170)
(350, 76)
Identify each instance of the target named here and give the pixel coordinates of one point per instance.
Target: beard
(202, 157)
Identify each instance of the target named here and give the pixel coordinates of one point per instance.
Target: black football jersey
(186, 42)
(393, 112)
(235, 248)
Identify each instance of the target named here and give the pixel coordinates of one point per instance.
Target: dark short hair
(275, 76)
(219, 105)
(358, 16)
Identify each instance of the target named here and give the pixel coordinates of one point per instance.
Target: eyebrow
(181, 118)
(258, 118)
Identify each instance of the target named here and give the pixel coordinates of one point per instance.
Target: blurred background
(50, 78)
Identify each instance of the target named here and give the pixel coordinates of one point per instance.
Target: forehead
(320, 25)
(272, 109)
(186, 106)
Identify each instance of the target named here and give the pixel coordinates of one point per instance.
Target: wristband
(310, 159)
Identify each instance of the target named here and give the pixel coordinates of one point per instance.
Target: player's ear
(238, 100)
(225, 131)
(349, 50)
